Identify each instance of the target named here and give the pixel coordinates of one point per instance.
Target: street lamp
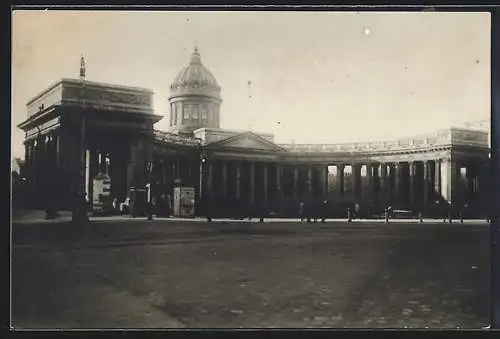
(204, 197)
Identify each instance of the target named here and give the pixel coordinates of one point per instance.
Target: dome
(195, 79)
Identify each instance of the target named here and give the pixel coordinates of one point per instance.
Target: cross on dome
(195, 57)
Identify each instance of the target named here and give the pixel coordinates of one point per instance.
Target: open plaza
(136, 273)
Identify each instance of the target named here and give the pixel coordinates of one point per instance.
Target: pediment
(246, 140)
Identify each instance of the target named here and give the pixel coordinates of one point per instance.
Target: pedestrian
(316, 209)
(301, 211)
(324, 210)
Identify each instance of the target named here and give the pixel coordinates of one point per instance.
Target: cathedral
(79, 130)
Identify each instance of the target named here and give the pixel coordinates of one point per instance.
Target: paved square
(166, 274)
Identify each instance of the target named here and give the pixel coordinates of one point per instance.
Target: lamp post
(353, 178)
(203, 160)
(149, 202)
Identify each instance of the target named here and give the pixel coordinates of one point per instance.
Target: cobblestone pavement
(173, 274)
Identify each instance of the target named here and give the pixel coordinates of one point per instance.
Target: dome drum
(194, 98)
(194, 92)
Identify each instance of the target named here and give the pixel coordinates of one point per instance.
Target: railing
(176, 139)
(441, 138)
(453, 136)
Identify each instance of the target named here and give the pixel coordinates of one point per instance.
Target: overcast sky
(314, 77)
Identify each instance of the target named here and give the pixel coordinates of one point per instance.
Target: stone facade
(77, 126)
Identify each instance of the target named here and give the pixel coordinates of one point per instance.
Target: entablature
(96, 95)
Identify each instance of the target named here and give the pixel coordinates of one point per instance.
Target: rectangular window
(204, 115)
(195, 112)
(187, 112)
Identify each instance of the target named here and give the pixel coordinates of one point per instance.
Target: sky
(307, 77)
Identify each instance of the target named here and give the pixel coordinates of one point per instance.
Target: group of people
(313, 211)
(161, 206)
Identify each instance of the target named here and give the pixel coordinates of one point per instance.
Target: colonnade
(168, 172)
(415, 185)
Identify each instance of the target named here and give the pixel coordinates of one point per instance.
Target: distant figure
(324, 210)
(169, 205)
(125, 206)
(356, 210)
(301, 211)
(115, 204)
(87, 202)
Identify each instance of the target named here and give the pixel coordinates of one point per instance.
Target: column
(93, 169)
(389, 181)
(412, 182)
(224, 179)
(340, 178)
(278, 181)
(457, 188)
(265, 181)
(27, 159)
(26, 153)
(324, 181)
(470, 181)
(210, 179)
(396, 192)
(309, 181)
(35, 169)
(238, 177)
(483, 183)
(164, 170)
(58, 150)
(426, 185)
(88, 174)
(437, 178)
(178, 169)
(369, 183)
(384, 185)
(295, 179)
(190, 173)
(252, 182)
(450, 173)
(356, 174)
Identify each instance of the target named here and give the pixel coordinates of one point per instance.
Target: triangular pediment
(247, 140)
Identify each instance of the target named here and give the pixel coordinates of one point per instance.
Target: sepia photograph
(250, 169)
